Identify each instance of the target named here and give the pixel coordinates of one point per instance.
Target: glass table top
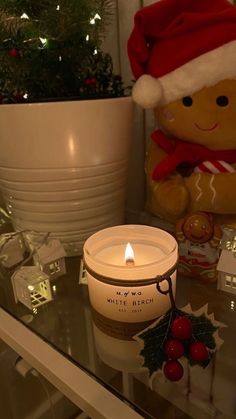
(67, 324)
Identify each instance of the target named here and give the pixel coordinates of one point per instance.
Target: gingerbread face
(198, 228)
(207, 117)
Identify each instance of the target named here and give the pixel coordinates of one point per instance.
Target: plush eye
(222, 101)
(187, 101)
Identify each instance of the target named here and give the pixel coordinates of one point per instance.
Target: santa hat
(177, 47)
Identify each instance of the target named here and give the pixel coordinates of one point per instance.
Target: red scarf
(183, 152)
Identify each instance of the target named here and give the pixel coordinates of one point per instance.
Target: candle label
(128, 304)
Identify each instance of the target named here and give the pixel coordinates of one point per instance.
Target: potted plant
(65, 122)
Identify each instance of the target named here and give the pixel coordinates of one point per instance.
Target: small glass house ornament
(31, 287)
(12, 249)
(50, 258)
(227, 262)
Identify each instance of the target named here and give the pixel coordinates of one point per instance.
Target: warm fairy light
(129, 255)
(87, 37)
(24, 16)
(95, 51)
(97, 16)
(60, 58)
(58, 7)
(93, 19)
(30, 288)
(25, 96)
(43, 40)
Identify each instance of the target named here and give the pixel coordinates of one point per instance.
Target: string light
(43, 40)
(60, 58)
(58, 7)
(93, 19)
(25, 96)
(95, 51)
(97, 16)
(87, 37)
(24, 16)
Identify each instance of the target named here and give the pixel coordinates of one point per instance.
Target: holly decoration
(198, 352)
(181, 328)
(173, 349)
(178, 333)
(173, 370)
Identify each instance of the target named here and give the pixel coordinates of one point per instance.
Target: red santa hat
(177, 47)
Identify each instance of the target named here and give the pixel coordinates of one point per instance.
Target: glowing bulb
(93, 19)
(58, 7)
(43, 40)
(30, 288)
(60, 58)
(97, 16)
(24, 16)
(95, 51)
(87, 37)
(129, 255)
(25, 96)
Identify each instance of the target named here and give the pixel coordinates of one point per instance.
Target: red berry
(173, 370)
(181, 328)
(174, 349)
(13, 52)
(198, 352)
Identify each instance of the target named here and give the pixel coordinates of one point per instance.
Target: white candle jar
(128, 294)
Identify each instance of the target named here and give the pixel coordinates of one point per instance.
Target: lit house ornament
(50, 258)
(12, 249)
(227, 262)
(31, 287)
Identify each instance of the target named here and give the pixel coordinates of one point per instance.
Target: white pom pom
(147, 92)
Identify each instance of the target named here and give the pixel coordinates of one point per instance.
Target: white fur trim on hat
(204, 71)
(147, 92)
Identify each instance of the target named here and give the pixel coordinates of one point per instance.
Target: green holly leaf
(153, 339)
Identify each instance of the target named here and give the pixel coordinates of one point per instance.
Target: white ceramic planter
(63, 166)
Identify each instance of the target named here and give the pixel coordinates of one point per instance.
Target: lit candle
(129, 255)
(127, 292)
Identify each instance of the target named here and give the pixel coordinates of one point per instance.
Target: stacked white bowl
(63, 166)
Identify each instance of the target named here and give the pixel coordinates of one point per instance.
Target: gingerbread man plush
(183, 56)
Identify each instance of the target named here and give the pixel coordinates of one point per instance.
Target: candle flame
(129, 255)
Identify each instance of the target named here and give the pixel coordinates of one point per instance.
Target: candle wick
(129, 262)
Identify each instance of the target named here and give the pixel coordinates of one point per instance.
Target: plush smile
(207, 129)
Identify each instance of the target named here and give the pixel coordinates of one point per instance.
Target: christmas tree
(51, 50)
